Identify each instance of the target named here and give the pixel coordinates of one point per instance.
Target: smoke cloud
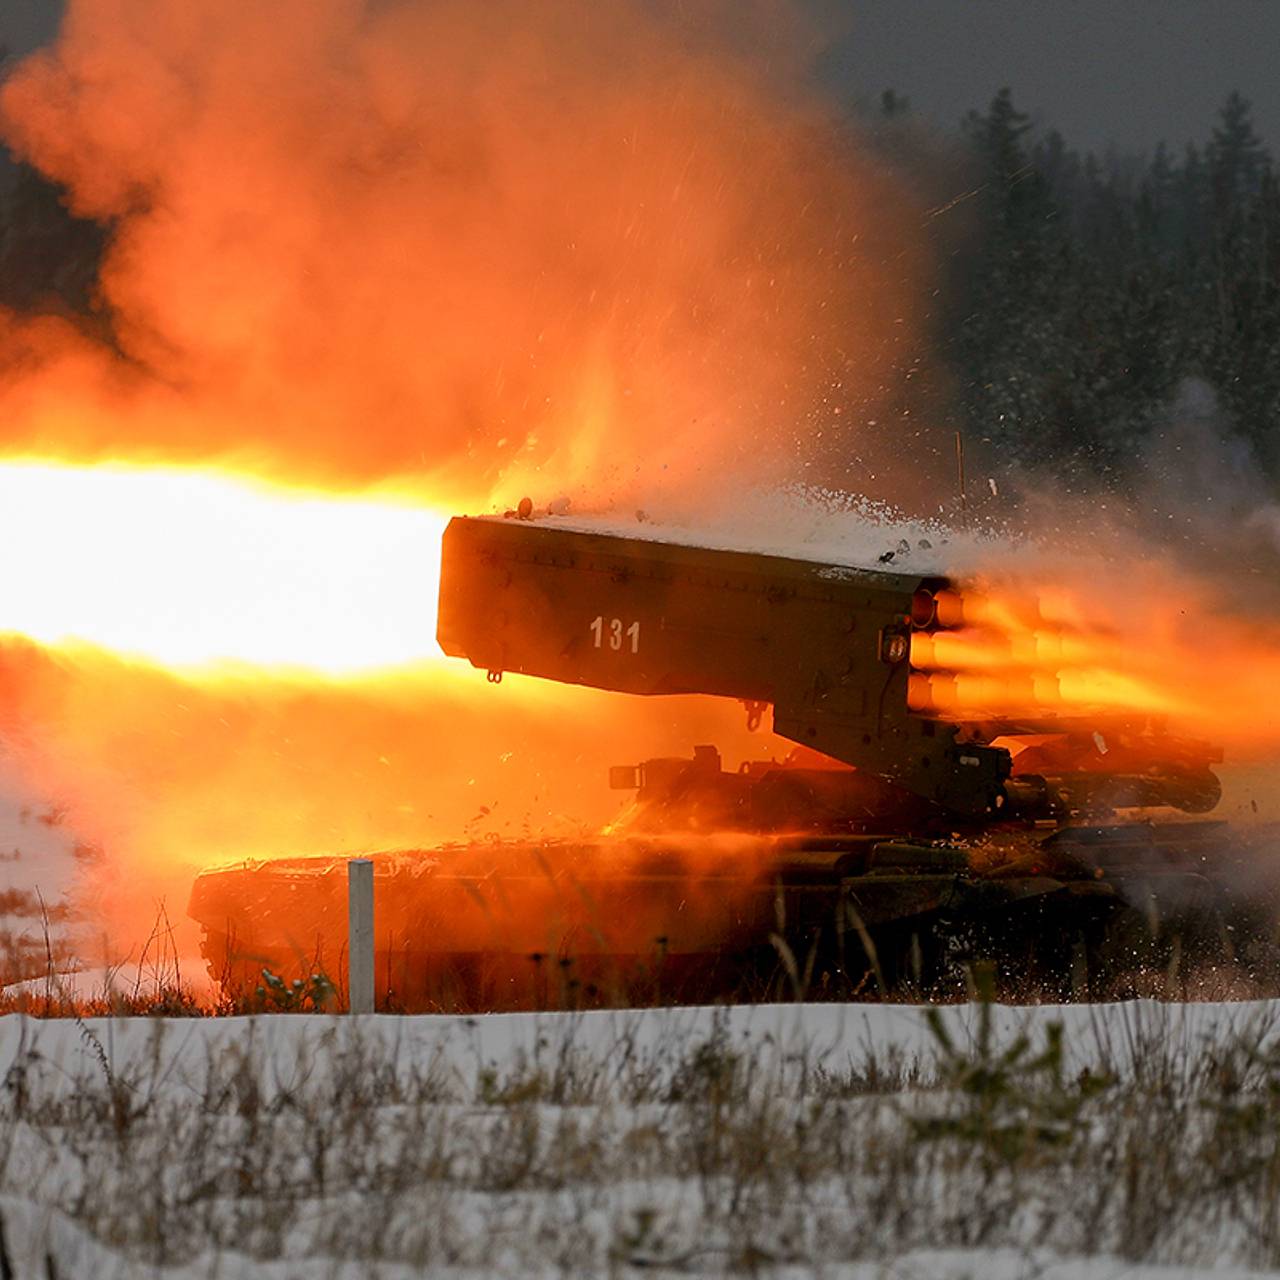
(560, 247)
(604, 250)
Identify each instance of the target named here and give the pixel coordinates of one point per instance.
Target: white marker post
(360, 935)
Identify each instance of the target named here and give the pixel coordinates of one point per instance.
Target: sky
(1123, 73)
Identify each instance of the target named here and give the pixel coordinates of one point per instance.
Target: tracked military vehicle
(891, 850)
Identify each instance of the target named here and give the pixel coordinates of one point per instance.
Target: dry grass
(698, 1152)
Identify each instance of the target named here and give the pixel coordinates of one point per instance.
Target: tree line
(1079, 292)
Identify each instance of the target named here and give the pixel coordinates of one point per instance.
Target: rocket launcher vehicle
(899, 843)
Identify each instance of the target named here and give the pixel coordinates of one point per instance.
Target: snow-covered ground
(1137, 1140)
(798, 523)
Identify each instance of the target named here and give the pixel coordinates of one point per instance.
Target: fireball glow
(190, 568)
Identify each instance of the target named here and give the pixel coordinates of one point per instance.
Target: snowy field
(1134, 1141)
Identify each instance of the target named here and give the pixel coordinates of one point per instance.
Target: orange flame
(1160, 648)
(189, 569)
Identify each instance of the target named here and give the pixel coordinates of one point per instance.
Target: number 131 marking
(612, 630)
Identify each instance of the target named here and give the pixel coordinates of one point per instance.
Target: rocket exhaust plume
(1086, 640)
(447, 254)
(189, 569)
